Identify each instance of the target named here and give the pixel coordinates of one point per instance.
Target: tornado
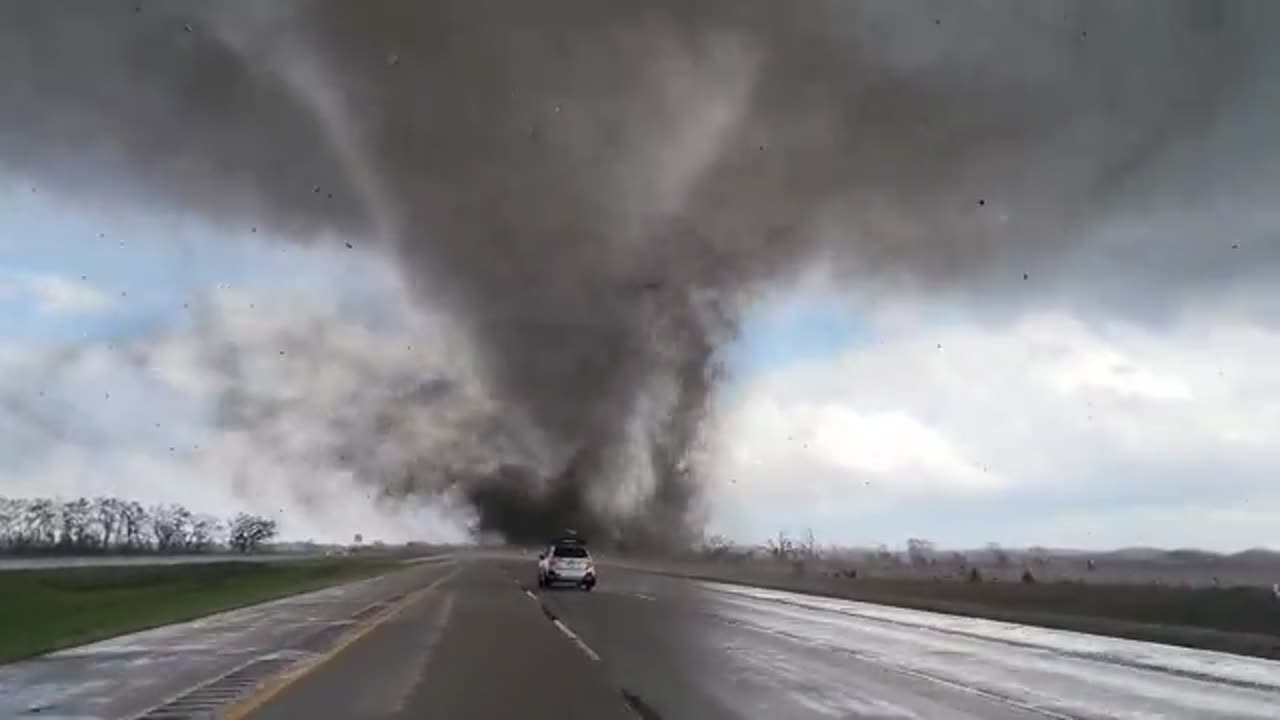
(596, 192)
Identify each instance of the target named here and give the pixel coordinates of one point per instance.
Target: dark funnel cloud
(596, 190)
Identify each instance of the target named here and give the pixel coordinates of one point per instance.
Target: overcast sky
(865, 421)
(977, 272)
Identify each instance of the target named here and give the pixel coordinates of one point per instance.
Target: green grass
(1239, 609)
(47, 609)
(1243, 620)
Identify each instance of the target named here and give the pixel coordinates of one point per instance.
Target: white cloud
(1045, 430)
(842, 444)
(248, 409)
(52, 293)
(1022, 432)
(1087, 363)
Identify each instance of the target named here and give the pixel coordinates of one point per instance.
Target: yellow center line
(278, 683)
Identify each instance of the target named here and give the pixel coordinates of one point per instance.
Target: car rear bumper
(586, 577)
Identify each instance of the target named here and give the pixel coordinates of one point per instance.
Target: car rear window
(570, 551)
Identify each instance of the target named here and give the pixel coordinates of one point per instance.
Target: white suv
(566, 561)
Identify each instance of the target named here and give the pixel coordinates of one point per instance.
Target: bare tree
(204, 533)
(169, 525)
(998, 555)
(134, 520)
(19, 535)
(109, 524)
(810, 546)
(717, 546)
(108, 512)
(885, 556)
(182, 519)
(41, 519)
(249, 531)
(10, 517)
(781, 549)
(920, 551)
(77, 525)
(1039, 556)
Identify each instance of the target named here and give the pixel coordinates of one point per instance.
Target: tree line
(85, 526)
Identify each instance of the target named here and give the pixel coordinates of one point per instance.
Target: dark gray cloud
(593, 189)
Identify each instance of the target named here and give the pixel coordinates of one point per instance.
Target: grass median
(1240, 620)
(46, 609)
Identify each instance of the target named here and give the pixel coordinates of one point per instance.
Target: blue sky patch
(777, 334)
(152, 268)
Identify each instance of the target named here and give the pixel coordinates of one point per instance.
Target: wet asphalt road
(484, 645)
(475, 647)
(467, 636)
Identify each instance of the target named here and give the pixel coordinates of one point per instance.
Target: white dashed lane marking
(577, 640)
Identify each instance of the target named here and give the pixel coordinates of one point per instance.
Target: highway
(471, 638)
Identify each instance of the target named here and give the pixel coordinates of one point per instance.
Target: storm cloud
(594, 192)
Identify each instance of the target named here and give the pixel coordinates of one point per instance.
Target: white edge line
(574, 637)
(531, 595)
(995, 697)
